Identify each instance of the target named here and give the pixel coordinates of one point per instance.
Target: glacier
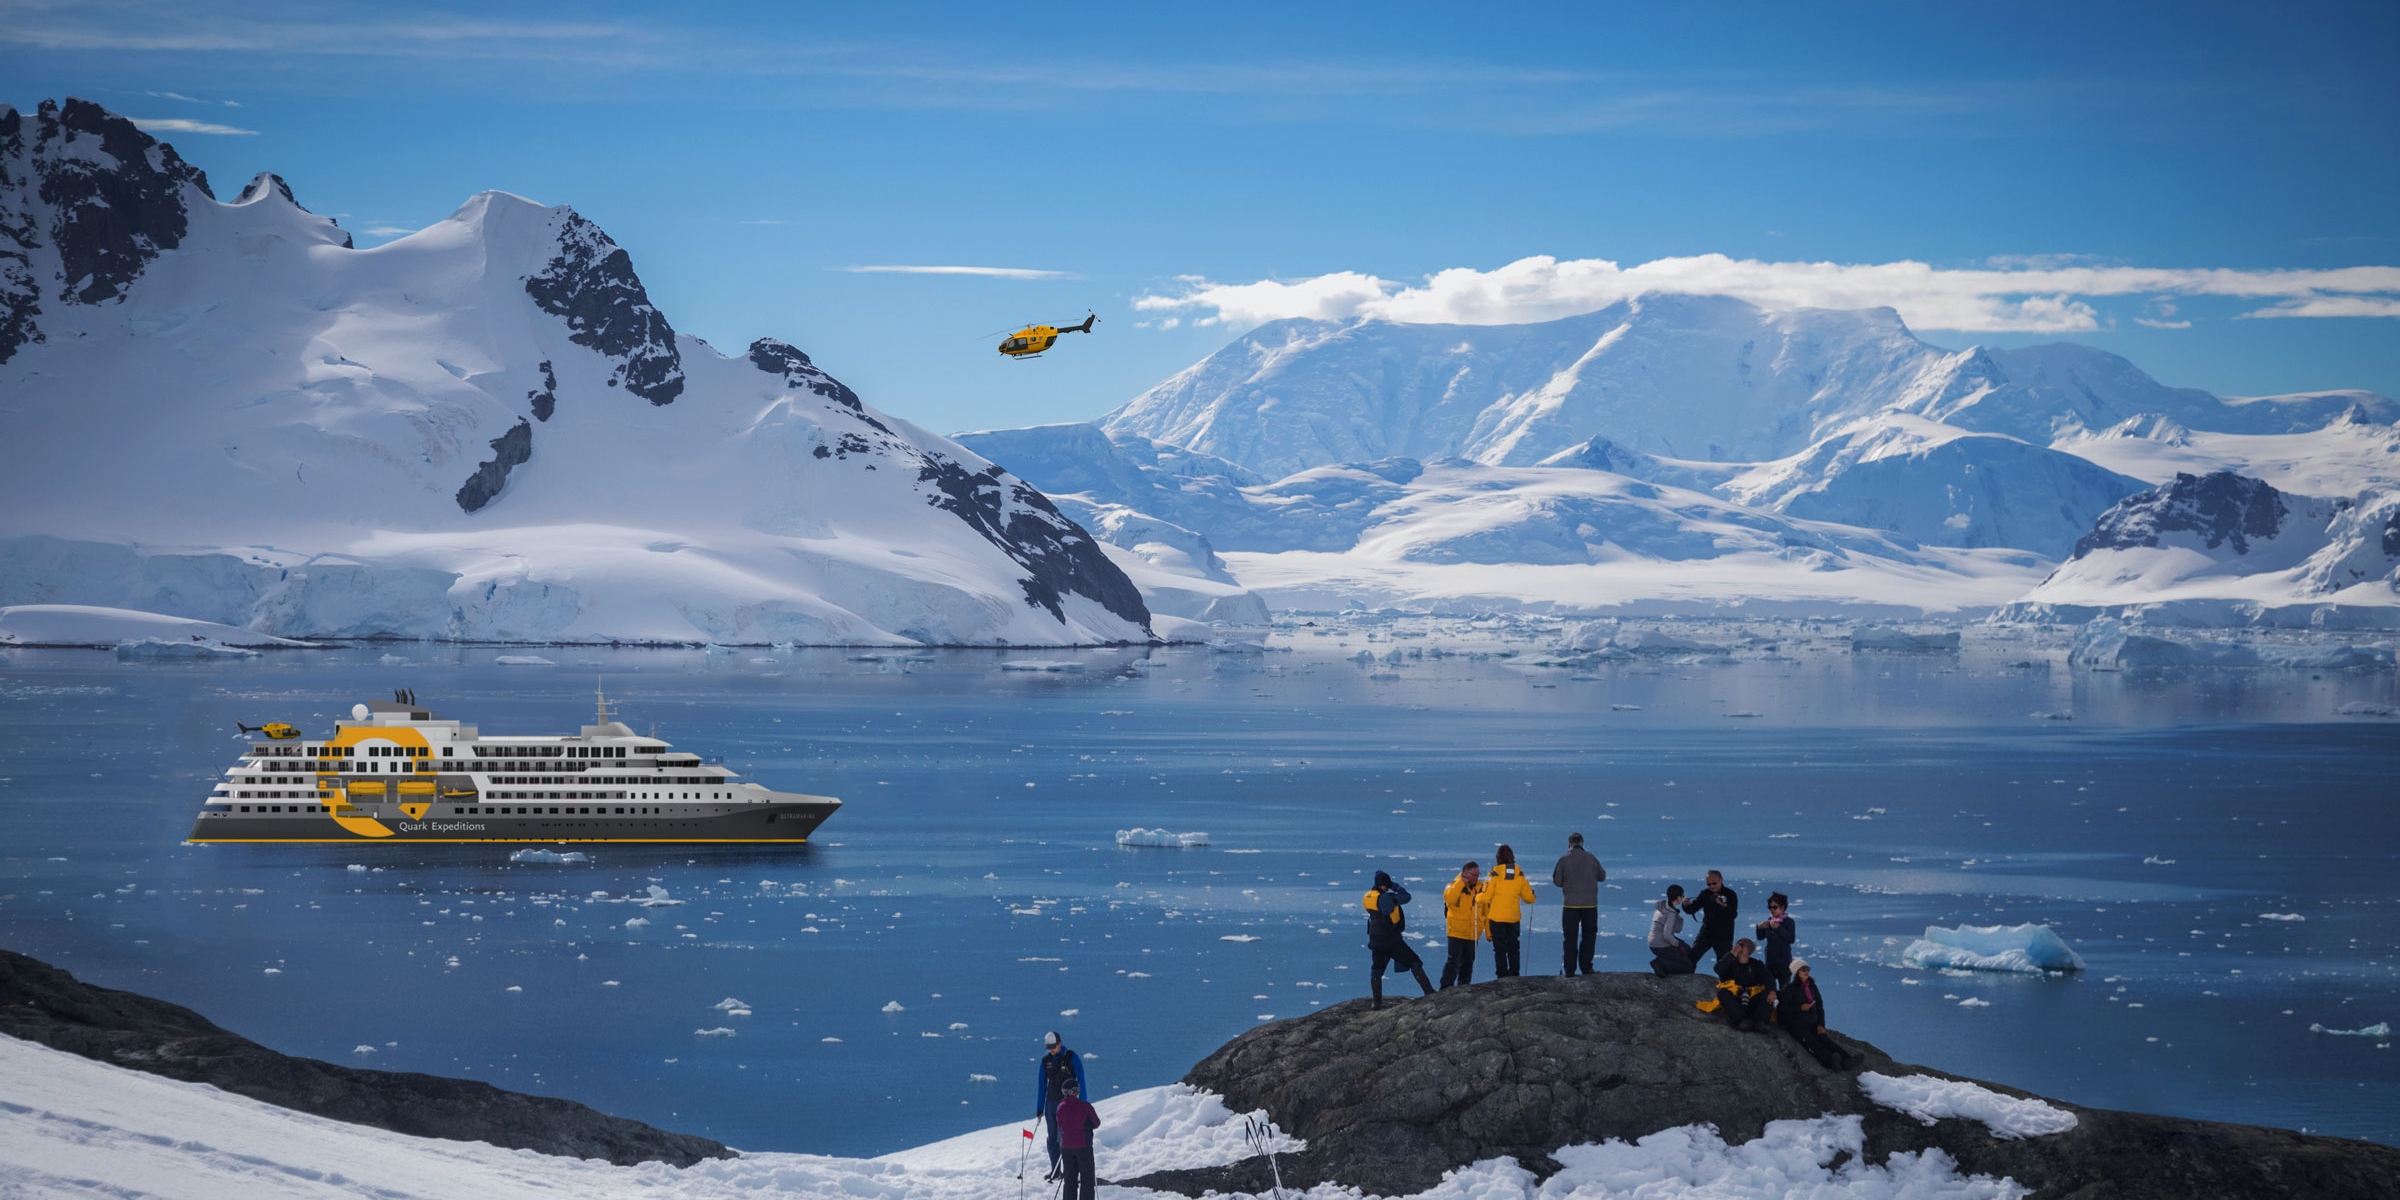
(483, 430)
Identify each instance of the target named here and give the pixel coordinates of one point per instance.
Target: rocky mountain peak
(590, 283)
(2219, 509)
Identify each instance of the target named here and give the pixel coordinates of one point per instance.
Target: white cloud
(2045, 295)
(992, 272)
(179, 125)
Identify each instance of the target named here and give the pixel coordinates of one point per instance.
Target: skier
(1462, 911)
(1577, 876)
(1801, 1012)
(1669, 955)
(1776, 935)
(1717, 905)
(1505, 894)
(1058, 1068)
(1076, 1120)
(1387, 922)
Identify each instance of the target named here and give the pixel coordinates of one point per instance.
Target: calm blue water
(973, 880)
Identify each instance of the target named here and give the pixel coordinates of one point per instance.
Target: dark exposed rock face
(86, 199)
(1390, 1100)
(545, 397)
(2391, 535)
(592, 285)
(783, 360)
(1058, 556)
(511, 449)
(41, 1003)
(2221, 508)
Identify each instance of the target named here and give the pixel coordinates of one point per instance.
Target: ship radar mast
(601, 700)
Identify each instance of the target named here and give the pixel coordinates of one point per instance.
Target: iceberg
(1160, 837)
(165, 650)
(2025, 949)
(1902, 641)
(539, 855)
(2107, 644)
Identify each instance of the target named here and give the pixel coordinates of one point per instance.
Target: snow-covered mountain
(2229, 549)
(223, 410)
(1707, 378)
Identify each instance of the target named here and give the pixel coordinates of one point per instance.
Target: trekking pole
(1024, 1144)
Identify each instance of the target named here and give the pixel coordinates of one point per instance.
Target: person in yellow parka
(1504, 894)
(1462, 909)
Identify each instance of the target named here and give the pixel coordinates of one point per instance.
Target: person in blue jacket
(1776, 935)
(1059, 1065)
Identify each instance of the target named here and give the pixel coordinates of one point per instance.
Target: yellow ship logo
(415, 811)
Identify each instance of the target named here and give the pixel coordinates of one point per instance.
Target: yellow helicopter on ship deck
(1033, 339)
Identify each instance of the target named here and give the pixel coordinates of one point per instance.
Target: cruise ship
(395, 772)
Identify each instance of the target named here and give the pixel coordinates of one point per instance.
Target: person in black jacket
(1717, 906)
(1743, 991)
(1775, 937)
(1801, 1012)
(1387, 925)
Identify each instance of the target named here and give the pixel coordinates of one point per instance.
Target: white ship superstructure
(398, 772)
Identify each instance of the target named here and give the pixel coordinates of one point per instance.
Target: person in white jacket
(1669, 954)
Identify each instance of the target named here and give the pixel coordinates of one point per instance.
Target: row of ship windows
(477, 810)
(279, 795)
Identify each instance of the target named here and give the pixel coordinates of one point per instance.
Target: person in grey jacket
(1669, 955)
(1577, 877)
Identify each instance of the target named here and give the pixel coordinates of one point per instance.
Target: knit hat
(1383, 879)
(1071, 1088)
(1799, 964)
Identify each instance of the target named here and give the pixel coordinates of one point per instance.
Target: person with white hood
(1669, 954)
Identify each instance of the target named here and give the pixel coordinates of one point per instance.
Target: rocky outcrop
(1389, 1100)
(2220, 509)
(785, 361)
(509, 451)
(41, 1003)
(590, 283)
(1060, 558)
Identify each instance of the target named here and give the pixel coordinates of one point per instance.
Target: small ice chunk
(523, 660)
(893, 1006)
(362, 1049)
(1929, 1098)
(2026, 949)
(719, 1031)
(515, 988)
(1160, 837)
(538, 854)
(358, 868)
(1069, 1012)
(731, 1007)
(1980, 1002)
(2379, 1029)
(1239, 937)
(982, 1078)
(1052, 666)
(2281, 917)
(636, 922)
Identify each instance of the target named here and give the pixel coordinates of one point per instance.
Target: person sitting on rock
(1387, 927)
(1776, 935)
(1743, 994)
(1462, 910)
(1801, 1012)
(1504, 896)
(1669, 955)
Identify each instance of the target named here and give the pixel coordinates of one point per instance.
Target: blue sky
(2179, 179)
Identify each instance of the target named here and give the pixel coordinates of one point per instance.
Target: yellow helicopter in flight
(1030, 341)
(275, 730)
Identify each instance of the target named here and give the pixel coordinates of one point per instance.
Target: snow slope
(84, 625)
(71, 1127)
(484, 429)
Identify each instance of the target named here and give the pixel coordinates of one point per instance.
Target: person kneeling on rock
(1387, 927)
(1669, 954)
(1743, 994)
(1801, 1012)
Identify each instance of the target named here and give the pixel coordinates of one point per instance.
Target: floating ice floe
(1902, 641)
(983, 1079)
(731, 1007)
(893, 1006)
(657, 897)
(1160, 837)
(2281, 917)
(1930, 1098)
(168, 650)
(362, 1049)
(719, 1031)
(2380, 1029)
(358, 868)
(1051, 666)
(536, 854)
(394, 660)
(636, 922)
(1239, 937)
(523, 660)
(2026, 949)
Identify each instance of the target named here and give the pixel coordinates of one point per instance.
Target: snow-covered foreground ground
(70, 1127)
